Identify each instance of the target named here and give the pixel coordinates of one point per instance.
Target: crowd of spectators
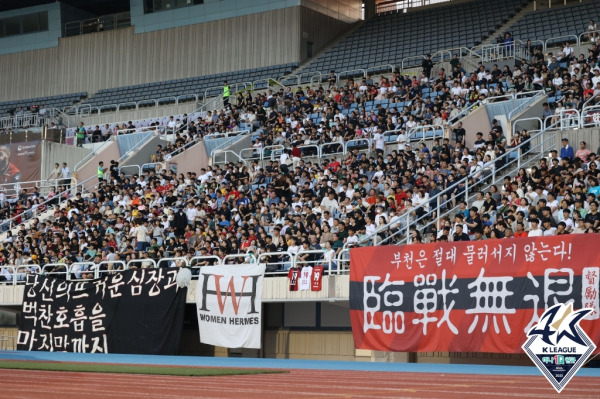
(251, 210)
(338, 111)
(293, 204)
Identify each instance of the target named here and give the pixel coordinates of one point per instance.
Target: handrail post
(439, 207)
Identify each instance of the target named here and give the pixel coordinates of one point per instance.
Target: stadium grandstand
(156, 134)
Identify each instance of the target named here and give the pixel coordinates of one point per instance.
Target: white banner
(228, 299)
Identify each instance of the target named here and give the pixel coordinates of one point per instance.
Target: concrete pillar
(370, 8)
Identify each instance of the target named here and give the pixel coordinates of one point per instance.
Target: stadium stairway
(143, 154)
(504, 28)
(286, 80)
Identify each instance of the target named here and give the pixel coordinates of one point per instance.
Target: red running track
(302, 384)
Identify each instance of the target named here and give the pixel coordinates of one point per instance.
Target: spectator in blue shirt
(566, 151)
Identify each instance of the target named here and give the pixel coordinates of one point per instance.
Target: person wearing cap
(566, 150)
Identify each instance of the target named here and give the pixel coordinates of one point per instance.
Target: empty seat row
(188, 87)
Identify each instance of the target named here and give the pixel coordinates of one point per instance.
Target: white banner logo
(228, 300)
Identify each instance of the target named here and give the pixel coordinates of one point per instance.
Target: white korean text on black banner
(135, 311)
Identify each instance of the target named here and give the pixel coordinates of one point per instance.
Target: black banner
(136, 311)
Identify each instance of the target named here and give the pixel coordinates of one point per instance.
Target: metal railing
(14, 275)
(569, 119)
(556, 41)
(420, 132)
(381, 68)
(86, 110)
(12, 190)
(501, 51)
(234, 88)
(8, 342)
(277, 263)
(584, 37)
(521, 107)
(245, 258)
(590, 116)
(200, 112)
(522, 121)
(143, 263)
(98, 24)
(143, 129)
(142, 139)
(26, 216)
(233, 139)
(444, 203)
(213, 259)
(173, 261)
(228, 156)
(24, 120)
(412, 62)
(181, 149)
(91, 155)
(271, 153)
(314, 257)
(464, 112)
(351, 73)
(109, 267)
(403, 6)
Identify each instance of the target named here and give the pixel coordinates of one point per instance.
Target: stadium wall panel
(319, 29)
(318, 345)
(55, 152)
(90, 168)
(191, 160)
(143, 154)
(138, 114)
(120, 57)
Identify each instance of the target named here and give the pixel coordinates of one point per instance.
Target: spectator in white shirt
(535, 229)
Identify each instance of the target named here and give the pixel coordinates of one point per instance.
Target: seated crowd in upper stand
(292, 205)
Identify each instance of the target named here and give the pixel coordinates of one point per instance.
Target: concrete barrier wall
(55, 152)
(476, 121)
(90, 168)
(146, 113)
(12, 295)
(10, 334)
(590, 136)
(534, 110)
(191, 160)
(320, 345)
(142, 155)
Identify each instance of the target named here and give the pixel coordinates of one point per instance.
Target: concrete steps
(504, 28)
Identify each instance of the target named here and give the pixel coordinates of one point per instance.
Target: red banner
(469, 296)
(19, 162)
